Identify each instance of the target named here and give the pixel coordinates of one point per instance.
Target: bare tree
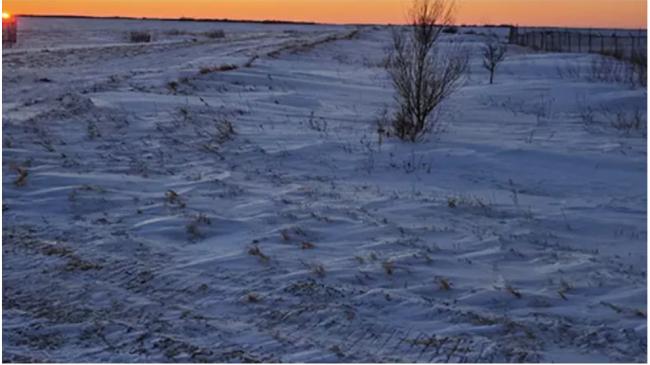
(493, 53)
(422, 74)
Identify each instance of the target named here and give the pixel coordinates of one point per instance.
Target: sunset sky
(579, 13)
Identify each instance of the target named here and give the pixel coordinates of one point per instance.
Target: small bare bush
(305, 245)
(255, 251)
(629, 121)
(140, 37)
(193, 228)
(639, 63)
(215, 34)
(223, 68)
(172, 198)
(224, 131)
(493, 54)
(423, 75)
(176, 32)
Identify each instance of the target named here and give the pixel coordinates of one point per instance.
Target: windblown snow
(230, 199)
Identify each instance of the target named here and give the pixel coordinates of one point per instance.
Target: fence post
(579, 42)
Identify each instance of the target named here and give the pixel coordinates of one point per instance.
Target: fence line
(621, 44)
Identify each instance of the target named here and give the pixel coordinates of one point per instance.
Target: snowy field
(160, 205)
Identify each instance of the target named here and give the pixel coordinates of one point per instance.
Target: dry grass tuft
(444, 284)
(389, 267)
(255, 251)
(173, 198)
(318, 270)
(21, 179)
(513, 291)
(307, 245)
(223, 68)
(253, 298)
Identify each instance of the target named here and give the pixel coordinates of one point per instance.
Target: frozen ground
(138, 227)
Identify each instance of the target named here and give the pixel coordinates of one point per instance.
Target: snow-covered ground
(154, 212)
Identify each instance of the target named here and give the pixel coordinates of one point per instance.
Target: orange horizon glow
(569, 13)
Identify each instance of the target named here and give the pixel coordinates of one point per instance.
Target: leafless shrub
(467, 201)
(632, 71)
(318, 124)
(493, 53)
(224, 131)
(564, 289)
(252, 298)
(210, 69)
(414, 164)
(543, 108)
(450, 30)
(285, 235)
(92, 130)
(606, 69)
(585, 112)
(140, 37)
(193, 227)
(629, 121)
(175, 32)
(610, 67)
(173, 86)
(174, 199)
(215, 34)
(570, 70)
(639, 62)
(422, 75)
(383, 127)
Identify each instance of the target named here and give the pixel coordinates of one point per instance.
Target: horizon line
(297, 22)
